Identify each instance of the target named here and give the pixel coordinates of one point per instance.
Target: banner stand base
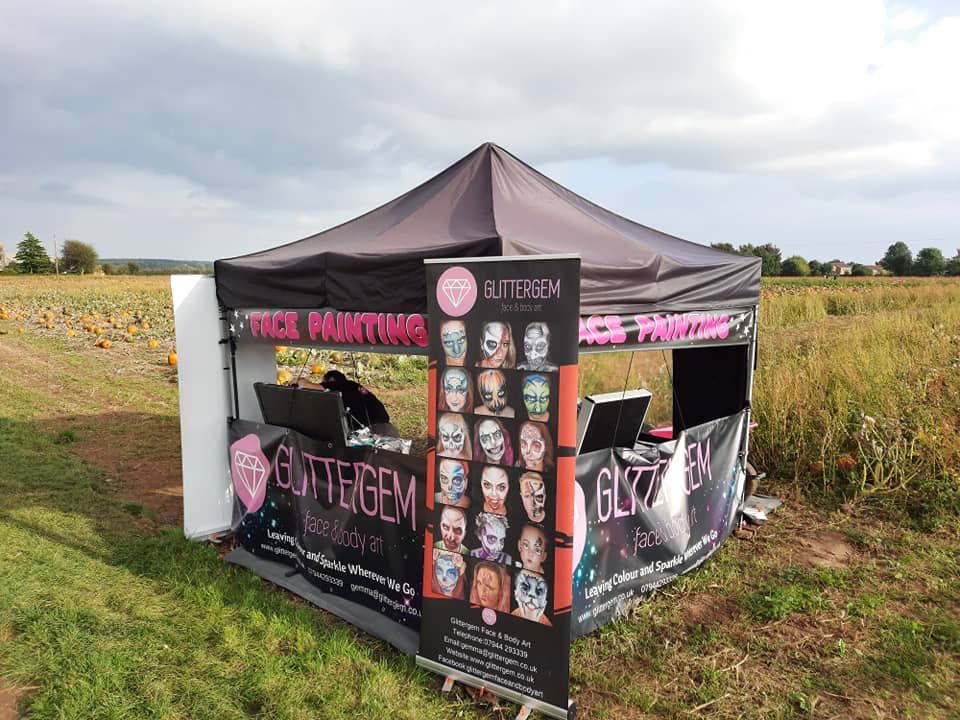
(404, 639)
(499, 690)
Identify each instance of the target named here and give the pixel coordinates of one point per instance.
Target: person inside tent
(359, 403)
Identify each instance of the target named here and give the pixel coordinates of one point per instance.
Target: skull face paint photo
(454, 479)
(453, 337)
(496, 346)
(449, 569)
(536, 348)
(492, 388)
(453, 437)
(456, 391)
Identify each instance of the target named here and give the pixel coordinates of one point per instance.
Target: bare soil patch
(827, 549)
(9, 698)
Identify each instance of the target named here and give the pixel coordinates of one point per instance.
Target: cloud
(214, 117)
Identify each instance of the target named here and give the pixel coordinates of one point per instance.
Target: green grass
(107, 613)
(108, 618)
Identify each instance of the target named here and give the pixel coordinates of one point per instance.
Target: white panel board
(204, 406)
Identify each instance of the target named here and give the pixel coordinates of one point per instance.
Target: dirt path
(94, 402)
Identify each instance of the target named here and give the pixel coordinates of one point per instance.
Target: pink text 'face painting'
(453, 481)
(531, 595)
(453, 525)
(495, 343)
(491, 440)
(532, 446)
(494, 484)
(456, 386)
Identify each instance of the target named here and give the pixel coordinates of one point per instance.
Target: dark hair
(334, 378)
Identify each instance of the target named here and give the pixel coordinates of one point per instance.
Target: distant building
(841, 268)
(4, 258)
(874, 269)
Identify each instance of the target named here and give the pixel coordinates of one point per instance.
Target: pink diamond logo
(249, 468)
(456, 291)
(251, 471)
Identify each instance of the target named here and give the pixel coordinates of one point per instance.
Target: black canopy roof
(488, 203)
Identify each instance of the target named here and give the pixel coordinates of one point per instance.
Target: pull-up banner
(349, 519)
(498, 541)
(644, 516)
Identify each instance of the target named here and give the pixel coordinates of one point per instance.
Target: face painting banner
(655, 331)
(350, 519)
(645, 516)
(395, 333)
(498, 541)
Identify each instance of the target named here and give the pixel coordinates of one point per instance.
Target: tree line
(78, 258)
(898, 260)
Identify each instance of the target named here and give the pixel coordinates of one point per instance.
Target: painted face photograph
(536, 448)
(492, 387)
(491, 587)
(536, 348)
(530, 594)
(454, 481)
(492, 534)
(453, 528)
(453, 437)
(492, 443)
(448, 574)
(535, 390)
(456, 391)
(494, 484)
(532, 547)
(533, 495)
(496, 346)
(453, 336)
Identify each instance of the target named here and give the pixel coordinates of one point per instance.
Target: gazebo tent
(487, 204)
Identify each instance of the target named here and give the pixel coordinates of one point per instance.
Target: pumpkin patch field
(846, 603)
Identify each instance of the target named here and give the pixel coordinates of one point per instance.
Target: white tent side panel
(204, 390)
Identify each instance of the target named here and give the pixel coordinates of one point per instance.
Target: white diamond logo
(251, 471)
(456, 289)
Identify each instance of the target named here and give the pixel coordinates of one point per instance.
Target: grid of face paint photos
(495, 488)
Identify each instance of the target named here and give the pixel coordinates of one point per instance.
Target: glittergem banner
(502, 420)
(647, 515)
(350, 520)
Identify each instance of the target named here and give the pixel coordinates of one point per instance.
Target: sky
(203, 129)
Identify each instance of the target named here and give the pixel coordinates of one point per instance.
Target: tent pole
(231, 340)
(751, 368)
